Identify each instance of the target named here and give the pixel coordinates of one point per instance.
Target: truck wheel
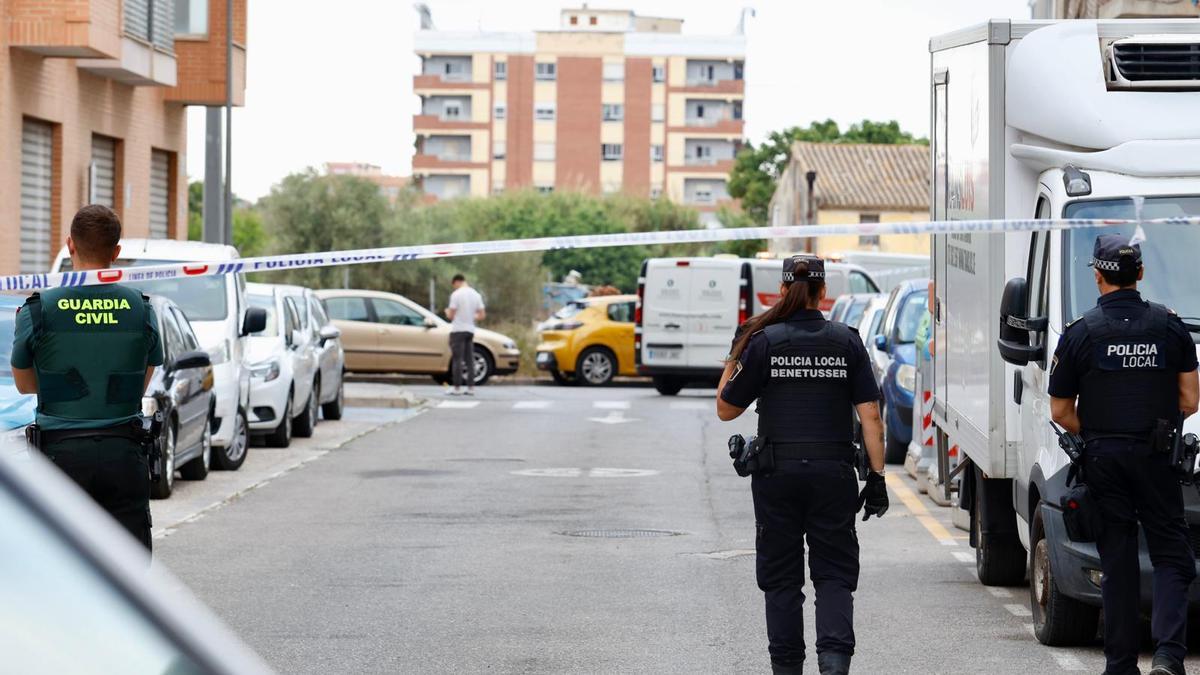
(1058, 621)
(999, 558)
(667, 385)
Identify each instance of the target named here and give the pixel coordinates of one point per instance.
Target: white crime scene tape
(293, 261)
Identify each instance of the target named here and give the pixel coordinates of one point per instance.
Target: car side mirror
(329, 332)
(1017, 329)
(881, 343)
(254, 321)
(192, 359)
(429, 323)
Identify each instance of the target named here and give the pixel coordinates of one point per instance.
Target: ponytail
(803, 293)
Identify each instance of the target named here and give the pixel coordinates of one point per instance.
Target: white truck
(1075, 119)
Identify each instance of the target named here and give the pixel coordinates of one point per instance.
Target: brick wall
(577, 150)
(638, 82)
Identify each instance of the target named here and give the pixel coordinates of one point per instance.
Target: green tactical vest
(89, 351)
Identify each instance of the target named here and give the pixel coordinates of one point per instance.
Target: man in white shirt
(466, 307)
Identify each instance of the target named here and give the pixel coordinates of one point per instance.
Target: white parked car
(283, 369)
(326, 340)
(216, 308)
(869, 325)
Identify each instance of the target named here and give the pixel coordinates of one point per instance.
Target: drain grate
(621, 534)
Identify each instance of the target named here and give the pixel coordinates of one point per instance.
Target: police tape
(296, 261)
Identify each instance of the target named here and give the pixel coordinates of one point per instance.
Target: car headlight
(149, 406)
(509, 345)
(906, 378)
(220, 353)
(265, 371)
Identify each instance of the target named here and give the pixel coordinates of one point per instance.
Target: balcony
(709, 165)
(435, 122)
(200, 48)
(445, 161)
(76, 29)
(456, 81)
(712, 125)
(704, 86)
(137, 64)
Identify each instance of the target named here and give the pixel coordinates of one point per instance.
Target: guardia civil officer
(1131, 363)
(809, 376)
(88, 353)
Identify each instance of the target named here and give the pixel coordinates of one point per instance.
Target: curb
(402, 400)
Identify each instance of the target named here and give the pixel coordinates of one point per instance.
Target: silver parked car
(327, 342)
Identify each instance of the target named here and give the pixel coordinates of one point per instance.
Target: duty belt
(838, 451)
(40, 438)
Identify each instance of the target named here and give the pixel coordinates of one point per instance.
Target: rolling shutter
(37, 145)
(103, 172)
(160, 191)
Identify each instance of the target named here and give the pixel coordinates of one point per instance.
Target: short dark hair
(96, 231)
(1125, 276)
(457, 278)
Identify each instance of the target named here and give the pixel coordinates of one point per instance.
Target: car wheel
(197, 469)
(667, 385)
(306, 423)
(562, 378)
(281, 437)
(596, 367)
(232, 456)
(333, 409)
(162, 488)
(1058, 621)
(484, 366)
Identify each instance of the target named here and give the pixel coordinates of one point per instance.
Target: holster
(1164, 436)
(753, 456)
(1081, 512)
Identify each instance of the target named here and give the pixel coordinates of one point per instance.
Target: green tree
(249, 236)
(757, 168)
(195, 213)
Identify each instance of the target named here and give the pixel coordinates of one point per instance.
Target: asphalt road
(449, 542)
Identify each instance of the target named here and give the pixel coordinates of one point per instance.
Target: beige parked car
(388, 333)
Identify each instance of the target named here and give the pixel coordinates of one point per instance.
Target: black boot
(784, 669)
(1165, 665)
(833, 663)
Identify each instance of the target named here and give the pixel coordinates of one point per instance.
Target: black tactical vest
(89, 351)
(807, 398)
(1129, 384)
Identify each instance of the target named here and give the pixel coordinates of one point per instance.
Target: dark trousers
(1132, 485)
(462, 358)
(115, 473)
(817, 500)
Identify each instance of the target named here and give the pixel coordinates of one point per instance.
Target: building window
(500, 70)
(592, 20)
(191, 17)
(37, 191)
(498, 148)
(574, 21)
(699, 111)
(543, 152)
(543, 111)
(500, 111)
(161, 164)
(454, 70)
(545, 189)
(868, 240)
(703, 195)
(613, 112)
(657, 112)
(737, 110)
(498, 187)
(656, 153)
(655, 191)
(614, 72)
(102, 172)
(452, 111)
(546, 71)
(659, 73)
(611, 152)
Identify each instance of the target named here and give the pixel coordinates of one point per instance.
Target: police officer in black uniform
(1131, 363)
(809, 376)
(88, 353)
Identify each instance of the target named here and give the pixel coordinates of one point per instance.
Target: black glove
(873, 500)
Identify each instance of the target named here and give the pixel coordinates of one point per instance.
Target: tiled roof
(866, 176)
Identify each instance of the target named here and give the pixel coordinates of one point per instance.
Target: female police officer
(809, 375)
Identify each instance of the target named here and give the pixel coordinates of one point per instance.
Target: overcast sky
(332, 81)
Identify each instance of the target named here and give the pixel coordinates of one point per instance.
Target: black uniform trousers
(817, 500)
(113, 471)
(1133, 485)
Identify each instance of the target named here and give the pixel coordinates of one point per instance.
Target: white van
(216, 308)
(689, 308)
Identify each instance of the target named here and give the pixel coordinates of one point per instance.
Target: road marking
(692, 405)
(1018, 610)
(614, 417)
(575, 472)
(964, 557)
(566, 472)
(1066, 660)
(611, 405)
(531, 405)
(458, 405)
(998, 592)
(725, 555)
(913, 502)
(621, 473)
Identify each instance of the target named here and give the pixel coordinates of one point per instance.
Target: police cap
(1113, 252)
(803, 267)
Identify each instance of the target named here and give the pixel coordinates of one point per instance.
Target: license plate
(665, 354)
(543, 357)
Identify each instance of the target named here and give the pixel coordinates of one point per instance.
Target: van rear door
(665, 312)
(714, 291)
(767, 275)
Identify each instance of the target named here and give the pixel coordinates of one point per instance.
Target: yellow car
(589, 341)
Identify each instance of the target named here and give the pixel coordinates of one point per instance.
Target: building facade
(92, 96)
(609, 102)
(853, 183)
(1114, 9)
(389, 186)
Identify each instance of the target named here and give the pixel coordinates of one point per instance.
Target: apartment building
(610, 101)
(389, 186)
(92, 97)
